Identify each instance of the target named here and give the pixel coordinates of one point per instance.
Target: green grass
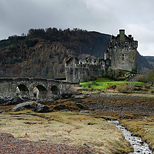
(103, 83)
(106, 84)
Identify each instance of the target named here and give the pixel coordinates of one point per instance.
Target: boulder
(66, 95)
(32, 105)
(2, 100)
(84, 111)
(17, 100)
(56, 97)
(41, 108)
(14, 101)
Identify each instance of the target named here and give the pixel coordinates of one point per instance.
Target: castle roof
(70, 59)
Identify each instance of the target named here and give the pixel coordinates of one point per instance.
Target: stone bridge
(33, 87)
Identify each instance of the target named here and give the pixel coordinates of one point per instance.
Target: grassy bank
(67, 128)
(103, 83)
(142, 127)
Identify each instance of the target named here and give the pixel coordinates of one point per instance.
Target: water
(139, 146)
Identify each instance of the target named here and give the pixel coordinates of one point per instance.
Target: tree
(150, 76)
(141, 78)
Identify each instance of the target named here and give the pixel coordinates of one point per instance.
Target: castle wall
(78, 71)
(122, 51)
(121, 54)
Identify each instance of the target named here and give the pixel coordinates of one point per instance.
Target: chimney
(122, 35)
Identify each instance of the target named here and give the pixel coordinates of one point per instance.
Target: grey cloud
(18, 16)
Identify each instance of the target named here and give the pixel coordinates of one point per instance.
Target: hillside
(143, 64)
(150, 59)
(42, 53)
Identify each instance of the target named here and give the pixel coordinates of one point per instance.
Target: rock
(84, 111)
(81, 96)
(17, 100)
(56, 97)
(25, 98)
(23, 106)
(66, 95)
(88, 145)
(2, 100)
(42, 108)
(32, 105)
(65, 110)
(14, 101)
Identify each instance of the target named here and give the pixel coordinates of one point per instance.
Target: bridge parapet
(26, 86)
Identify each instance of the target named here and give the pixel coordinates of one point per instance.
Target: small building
(121, 54)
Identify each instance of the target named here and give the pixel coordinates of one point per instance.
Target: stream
(139, 146)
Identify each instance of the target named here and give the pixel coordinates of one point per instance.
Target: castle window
(123, 57)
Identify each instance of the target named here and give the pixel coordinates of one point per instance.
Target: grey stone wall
(77, 71)
(46, 88)
(122, 51)
(120, 54)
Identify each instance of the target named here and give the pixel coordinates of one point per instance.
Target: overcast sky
(105, 16)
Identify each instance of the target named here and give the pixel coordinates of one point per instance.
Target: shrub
(141, 78)
(125, 87)
(86, 78)
(94, 83)
(94, 78)
(122, 88)
(131, 87)
(134, 70)
(148, 87)
(150, 76)
(89, 85)
(113, 74)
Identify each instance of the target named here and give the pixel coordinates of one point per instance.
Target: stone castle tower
(122, 51)
(120, 54)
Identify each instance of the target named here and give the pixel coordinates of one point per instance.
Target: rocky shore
(92, 102)
(104, 106)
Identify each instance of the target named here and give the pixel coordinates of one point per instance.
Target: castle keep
(121, 54)
(122, 51)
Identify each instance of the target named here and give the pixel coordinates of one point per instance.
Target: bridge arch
(22, 90)
(39, 91)
(55, 89)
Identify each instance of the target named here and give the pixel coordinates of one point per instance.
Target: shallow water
(139, 146)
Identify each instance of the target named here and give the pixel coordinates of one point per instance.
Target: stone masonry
(122, 51)
(121, 54)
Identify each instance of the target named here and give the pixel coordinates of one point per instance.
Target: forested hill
(42, 53)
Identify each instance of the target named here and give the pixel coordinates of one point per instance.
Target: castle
(121, 54)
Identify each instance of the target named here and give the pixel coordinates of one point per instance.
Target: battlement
(120, 54)
(122, 51)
